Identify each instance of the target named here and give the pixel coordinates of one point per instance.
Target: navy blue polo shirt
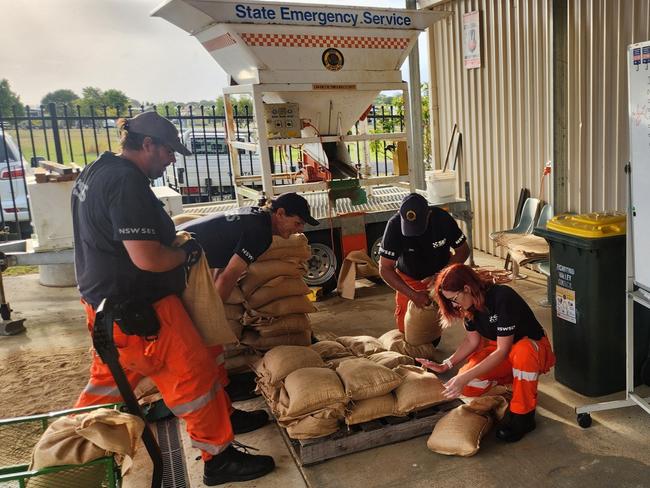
(246, 232)
(422, 256)
(112, 202)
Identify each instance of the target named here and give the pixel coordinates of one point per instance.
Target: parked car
(13, 188)
(208, 171)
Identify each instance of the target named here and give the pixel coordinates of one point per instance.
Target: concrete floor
(615, 451)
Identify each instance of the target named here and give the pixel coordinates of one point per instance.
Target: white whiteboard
(639, 112)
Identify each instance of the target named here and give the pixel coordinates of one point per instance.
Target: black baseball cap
(154, 125)
(294, 204)
(414, 215)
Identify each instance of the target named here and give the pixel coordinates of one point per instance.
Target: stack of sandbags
(393, 340)
(422, 325)
(277, 364)
(311, 403)
(362, 345)
(333, 352)
(276, 296)
(459, 433)
(368, 386)
(238, 357)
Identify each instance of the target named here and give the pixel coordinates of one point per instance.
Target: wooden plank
(61, 169)
(376, 433)
(41, 175)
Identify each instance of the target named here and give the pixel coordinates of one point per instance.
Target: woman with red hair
(504, 344)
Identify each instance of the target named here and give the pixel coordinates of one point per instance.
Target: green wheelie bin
(587, 264)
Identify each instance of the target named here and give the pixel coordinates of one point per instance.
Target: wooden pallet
(368, 435)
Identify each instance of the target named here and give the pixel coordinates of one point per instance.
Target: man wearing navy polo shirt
(417, 244)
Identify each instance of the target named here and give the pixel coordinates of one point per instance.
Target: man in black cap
(123, 252)
(417, 244)
(232, 241)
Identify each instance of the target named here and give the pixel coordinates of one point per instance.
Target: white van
(13, 171)
(208, 171)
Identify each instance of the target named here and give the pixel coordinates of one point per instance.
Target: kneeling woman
(504, 344)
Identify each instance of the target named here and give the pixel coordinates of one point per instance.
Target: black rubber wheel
(324, 264)
(584, 420)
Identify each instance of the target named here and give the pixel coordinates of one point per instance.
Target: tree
(9, 100)
(115, 98)
(60, 97)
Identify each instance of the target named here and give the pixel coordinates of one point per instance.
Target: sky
(46, 45)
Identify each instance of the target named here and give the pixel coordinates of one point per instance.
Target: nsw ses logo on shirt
(439, 243)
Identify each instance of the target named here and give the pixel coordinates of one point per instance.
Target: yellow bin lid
(591, 226)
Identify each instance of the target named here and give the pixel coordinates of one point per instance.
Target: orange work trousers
(182, 368)
(526, 361)
(402, 301)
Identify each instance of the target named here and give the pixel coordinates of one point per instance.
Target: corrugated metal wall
(598, 33)
(505, 109)
(502, 109)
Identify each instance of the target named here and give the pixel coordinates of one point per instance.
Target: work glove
(193, 251)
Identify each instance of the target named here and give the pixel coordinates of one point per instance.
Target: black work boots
(235, 465)
(243, 421)
(516, 426)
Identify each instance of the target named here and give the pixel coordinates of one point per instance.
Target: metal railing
(74, 134)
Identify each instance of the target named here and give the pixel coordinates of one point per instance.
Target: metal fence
(72, 134)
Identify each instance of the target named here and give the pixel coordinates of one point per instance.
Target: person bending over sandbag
(233, 241)
(416, 245)
(504, 344)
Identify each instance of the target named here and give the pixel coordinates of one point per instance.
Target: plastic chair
(545, 215)
(526, 220)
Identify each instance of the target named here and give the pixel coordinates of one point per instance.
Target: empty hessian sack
(370, 409)
(419, 389)
(391, 359)
(307, 390)
(361, 345)
(283, 360)
(393, 340)
(459, 433)
(331, 349)
(363, 378)
(421, 325)
(276, 288)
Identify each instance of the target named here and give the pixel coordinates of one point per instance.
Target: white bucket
(440, 184)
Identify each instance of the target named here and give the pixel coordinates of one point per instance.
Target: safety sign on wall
(471, 40)
(565, 304)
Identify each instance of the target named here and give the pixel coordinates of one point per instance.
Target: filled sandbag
(459, 433)
(335, 362)
(419, 389)
(204, 306)
(287, 324)
(232, 350)
(261, 272)
(236, 297)
(285, 306)
(331, 349)
(307, 390)
(296, 246)
(283, 360)
(318, 424)
(422, 325)
(259, 343)
(237, 327)
(363, 378)
(241, 363)
(280, 287)
(391, 359)
(234, 312)
(393, 340)
(361, 345)
(370, 409)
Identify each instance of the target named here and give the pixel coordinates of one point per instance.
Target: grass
(20, 270)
